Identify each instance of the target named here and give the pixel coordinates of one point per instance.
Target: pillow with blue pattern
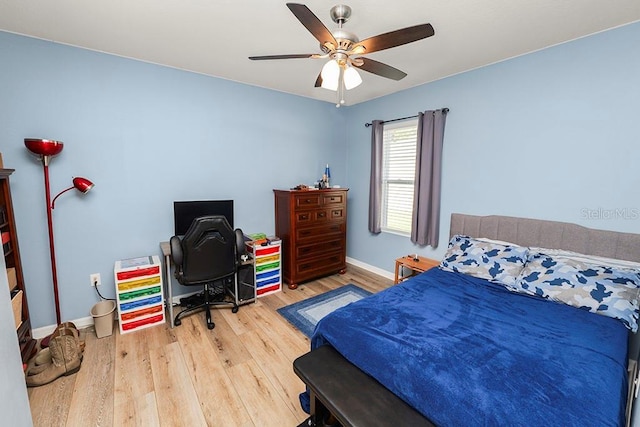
(492, 261)
(606, 290)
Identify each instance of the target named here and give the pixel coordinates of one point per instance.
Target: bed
(502, 333)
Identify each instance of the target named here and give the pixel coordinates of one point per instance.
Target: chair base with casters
(205, 305)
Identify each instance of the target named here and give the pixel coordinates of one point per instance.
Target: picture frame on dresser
(312, 225)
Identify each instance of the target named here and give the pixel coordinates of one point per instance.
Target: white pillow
(499, 242)
(589, 259)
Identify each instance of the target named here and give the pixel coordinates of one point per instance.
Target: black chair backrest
(208, 250)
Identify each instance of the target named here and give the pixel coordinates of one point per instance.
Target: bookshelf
(11, 251)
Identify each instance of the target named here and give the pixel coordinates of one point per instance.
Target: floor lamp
(45, 149)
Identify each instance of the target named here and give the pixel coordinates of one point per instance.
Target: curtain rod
(444, 110)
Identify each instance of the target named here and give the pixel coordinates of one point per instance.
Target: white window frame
(398, 176)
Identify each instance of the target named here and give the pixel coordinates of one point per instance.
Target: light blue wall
(547, 135)
(146, 135)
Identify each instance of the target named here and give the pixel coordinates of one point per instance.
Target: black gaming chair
(209, 255)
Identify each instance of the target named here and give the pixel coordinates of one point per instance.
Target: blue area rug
(305, 314)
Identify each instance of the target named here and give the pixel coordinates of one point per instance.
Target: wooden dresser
(313, 227)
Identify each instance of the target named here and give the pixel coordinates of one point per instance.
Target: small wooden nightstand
(423, 264)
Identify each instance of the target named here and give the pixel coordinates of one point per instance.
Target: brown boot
(42, 362)
(43, 358)
(65, 359)
(76, 332)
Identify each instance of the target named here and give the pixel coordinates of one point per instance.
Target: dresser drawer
(305, 201)
(310, 250)
(333, 199)
(304, 218)
(322, 265)
(311, 234)
(337, 213)
(310, 217)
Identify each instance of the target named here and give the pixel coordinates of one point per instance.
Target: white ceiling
(216, 37)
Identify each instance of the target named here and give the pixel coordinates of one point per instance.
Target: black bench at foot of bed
(354, 398)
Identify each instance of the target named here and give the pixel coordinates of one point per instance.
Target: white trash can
(103, 316)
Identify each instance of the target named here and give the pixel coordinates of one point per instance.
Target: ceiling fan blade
(295, 56)
(381, 69)
(318, 81)
(396, 38)
(312, 23)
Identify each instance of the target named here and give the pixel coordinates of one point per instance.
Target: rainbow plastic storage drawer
(268, 274)
(139, 293)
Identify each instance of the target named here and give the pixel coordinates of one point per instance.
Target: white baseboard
(371, 268)
(85, 322)
(45, 331)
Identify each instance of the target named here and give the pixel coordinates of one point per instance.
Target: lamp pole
(52, 246)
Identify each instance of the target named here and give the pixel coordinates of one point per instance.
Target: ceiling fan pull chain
(340, 87)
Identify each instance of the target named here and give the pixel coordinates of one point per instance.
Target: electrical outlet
(95, 279)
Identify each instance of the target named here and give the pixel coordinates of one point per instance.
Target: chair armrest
(241, 249)
(176, 251)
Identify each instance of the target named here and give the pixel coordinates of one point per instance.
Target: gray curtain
(375, 180)
(425, 225)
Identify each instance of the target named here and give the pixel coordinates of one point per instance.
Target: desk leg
(169, 292)
(395, 280)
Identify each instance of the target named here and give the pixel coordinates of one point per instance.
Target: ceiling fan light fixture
(330, 75)
(351, 78)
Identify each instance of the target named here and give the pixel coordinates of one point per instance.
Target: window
(398, 174)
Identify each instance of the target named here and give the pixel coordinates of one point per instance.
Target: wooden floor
(238, 374)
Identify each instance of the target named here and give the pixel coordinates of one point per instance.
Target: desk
(420, 266)
(166, 268)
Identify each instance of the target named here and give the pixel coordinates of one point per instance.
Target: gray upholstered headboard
(553, 235)
(549, 234)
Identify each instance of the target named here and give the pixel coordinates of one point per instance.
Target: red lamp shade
(83, 185)
(43, 147)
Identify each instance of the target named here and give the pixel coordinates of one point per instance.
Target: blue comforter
(463, 351)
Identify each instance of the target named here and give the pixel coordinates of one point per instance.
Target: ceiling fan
(344, 49)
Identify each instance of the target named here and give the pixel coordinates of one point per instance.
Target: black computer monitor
(184, 212)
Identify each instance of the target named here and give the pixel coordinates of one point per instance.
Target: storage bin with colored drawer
(267, 265)
(139, 292)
